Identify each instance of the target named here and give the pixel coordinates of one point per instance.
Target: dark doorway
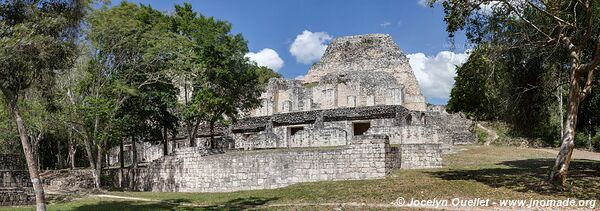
(360, 128)
(294, 130)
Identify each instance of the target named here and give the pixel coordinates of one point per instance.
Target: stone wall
(15, 186)
(198, 170)
(420, 156)
(146, 152)
(352, 89)
(401, 128)
(454, 129)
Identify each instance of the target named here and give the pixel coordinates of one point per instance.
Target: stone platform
(197, 170)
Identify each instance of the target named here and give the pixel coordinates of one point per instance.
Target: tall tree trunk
(71, 150)
(32, 163)
(165, 142)
(134, 163)
(173, 141)
(90, 149)
(212, 135)
(121, 164)
(59, 156)
(558, 175)
(98, 170)
(190, 133)
(188, 124)
(560, 103)
(192, 129)
(34, 150)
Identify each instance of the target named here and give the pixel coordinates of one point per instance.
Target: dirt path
(577, 154)
(492, 134)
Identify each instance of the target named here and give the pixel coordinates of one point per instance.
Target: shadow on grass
(130, 206)
(240, 204)
(175, 204)
(530, 175)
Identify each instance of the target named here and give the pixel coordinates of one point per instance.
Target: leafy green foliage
(225, 83)
(519, 64)
(8, 132)
(37, 41)
(264, 74)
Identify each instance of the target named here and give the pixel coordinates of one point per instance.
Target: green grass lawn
(492, 172)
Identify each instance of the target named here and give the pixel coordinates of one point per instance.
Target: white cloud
(308, 47)
(300, 77)
(268, 58)
(423, 3)
(488, 7)
(385, 24)
(436, 73)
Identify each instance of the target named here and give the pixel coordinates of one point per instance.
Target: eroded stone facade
(355, 71)
(194, 170)
(15, 186)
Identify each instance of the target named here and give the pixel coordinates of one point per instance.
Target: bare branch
(548, 14)
(595, 60)
(512, 7)
(590, 68)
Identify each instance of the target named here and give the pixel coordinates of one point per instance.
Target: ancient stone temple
(358, 114)
(355, 71)
(362, 85)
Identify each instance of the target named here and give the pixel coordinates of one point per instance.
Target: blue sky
(275, 25)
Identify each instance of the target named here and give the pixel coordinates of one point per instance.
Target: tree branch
(512, 8)
(548, 14)
(590, 68)
(588, 85)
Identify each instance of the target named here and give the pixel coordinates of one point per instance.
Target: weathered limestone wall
(339, 133)
(419, 156)
(195, 170)
(369, 53)
(146, 152)
(15, 186)
(351, 89)
(453, 128)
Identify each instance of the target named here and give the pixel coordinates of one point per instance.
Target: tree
(8, 131)
(568, 27)
(509, 85)
(476, 89)
(224, 83)
(124, 64)
(199, 32)
(37, 40)
(264, 74)
(69, 87)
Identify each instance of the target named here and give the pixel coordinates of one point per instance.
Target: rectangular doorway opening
(294, 130)
(360, 128)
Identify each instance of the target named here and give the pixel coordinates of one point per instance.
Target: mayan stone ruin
(15, 186)
(358, 114)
